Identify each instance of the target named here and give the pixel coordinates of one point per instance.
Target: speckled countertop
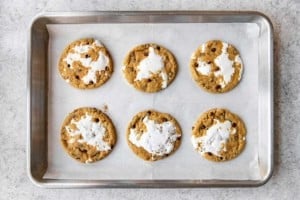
(15, 17)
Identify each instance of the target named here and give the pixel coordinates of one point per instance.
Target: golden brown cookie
(85, 63)
(216, 66)
(149, 67)
(88, 135)
(219, 135)
(153, 135)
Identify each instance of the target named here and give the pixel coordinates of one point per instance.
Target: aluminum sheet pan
(50, 99)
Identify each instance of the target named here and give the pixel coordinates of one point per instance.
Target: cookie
(149, 67)
(88, 135)
(216, 66)
(152, 135)
(85, 63)
(219, 135)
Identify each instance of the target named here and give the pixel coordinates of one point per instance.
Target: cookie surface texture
(88, 135)
(216, 66)
(153, 135)
(149, 67)
(219, 135)
(85, 64)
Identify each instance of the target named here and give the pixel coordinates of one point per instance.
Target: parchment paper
(183, 99)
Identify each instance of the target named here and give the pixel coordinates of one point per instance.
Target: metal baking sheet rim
(35, 172)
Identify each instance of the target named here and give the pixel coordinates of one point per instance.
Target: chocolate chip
(96, 120)
(77, 77)
(233, 124)
(209, 62)
(91, 82)
(149, 80)
(145, 54)
(213, 49)
(83, 151)
(149, 112)
(69, 65)
(106, 68)
(217, 68)
(86, 56)
(209, 153)
(133, 126)
(196, 64)
(218, 87)
(164, 119)
(221, 158)
(158, 48)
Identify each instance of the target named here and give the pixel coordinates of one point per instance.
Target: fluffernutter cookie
(216, 66)
(88, 135)
(85, 64)
(153, 135)
(149, 67)
(219, 135)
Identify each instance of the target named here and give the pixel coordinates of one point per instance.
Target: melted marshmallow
(151, 65)
(158, 139)
(93, 66)
(203, 68)
(215, 138)
(226, 65)
(92, 133)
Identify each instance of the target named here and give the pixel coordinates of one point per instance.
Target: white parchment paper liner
(183, 99)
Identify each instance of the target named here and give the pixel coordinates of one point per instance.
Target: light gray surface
(15, 17)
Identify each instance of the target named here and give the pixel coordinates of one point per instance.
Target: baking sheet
(183, 99)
